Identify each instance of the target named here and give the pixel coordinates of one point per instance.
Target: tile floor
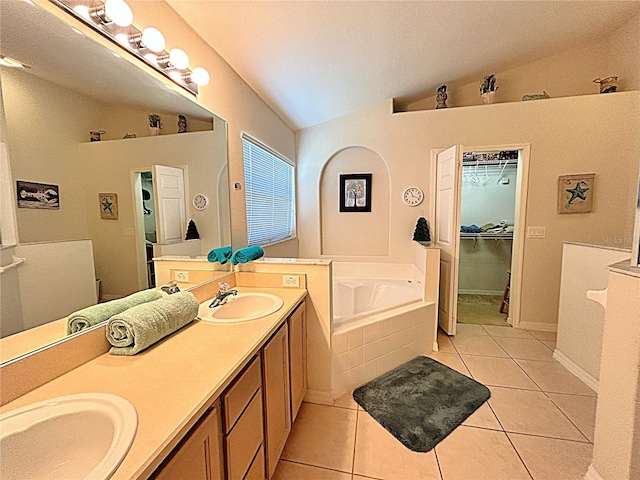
(538, 423)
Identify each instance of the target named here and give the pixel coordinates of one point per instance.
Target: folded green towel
(140, 327)
(245, 255)
(221, 255)
(101, 312)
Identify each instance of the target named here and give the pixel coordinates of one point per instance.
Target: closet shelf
(504, 236)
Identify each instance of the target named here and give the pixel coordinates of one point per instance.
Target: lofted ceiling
(313, 61)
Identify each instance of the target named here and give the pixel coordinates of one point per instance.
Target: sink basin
(84, 436)
(241, 308)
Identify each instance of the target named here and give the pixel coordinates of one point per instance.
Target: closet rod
(490, 163)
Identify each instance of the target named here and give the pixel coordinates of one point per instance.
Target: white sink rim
(210, 314)
(119, 410)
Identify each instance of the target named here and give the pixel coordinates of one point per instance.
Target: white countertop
(171, 383)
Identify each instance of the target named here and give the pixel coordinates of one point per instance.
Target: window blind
(269, 191)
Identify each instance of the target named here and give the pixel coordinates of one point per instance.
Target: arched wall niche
(349, 233)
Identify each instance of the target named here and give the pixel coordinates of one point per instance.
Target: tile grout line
(355, 441)
(518, 453)
(435, 453)
(297, 462)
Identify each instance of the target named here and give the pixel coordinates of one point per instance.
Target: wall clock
(413, 196)
(200, 201)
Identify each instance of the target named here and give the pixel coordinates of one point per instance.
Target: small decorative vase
(154, 131)
(608, 84)
(488, 98)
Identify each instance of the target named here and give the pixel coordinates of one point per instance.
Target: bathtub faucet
(223, 295)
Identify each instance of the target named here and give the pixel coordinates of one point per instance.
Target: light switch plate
(536, 232)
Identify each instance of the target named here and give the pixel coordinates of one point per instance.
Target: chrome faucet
(223, 295)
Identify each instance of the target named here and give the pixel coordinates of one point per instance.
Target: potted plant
(488, 89)
(155, 124)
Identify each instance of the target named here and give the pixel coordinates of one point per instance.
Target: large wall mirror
(75, 85)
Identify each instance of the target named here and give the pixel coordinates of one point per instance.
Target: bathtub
(380, 320)
(357, 298)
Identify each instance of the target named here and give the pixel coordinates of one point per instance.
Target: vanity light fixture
(113, 20)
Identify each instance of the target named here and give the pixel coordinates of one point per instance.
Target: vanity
(213, 400)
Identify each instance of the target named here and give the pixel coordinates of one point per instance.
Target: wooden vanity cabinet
(199, 455)
(277, 416)
(297, 358)
(243, 424)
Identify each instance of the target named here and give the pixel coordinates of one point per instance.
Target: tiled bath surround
(362, 353)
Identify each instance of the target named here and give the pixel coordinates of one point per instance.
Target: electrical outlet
(182, 276)
(290, 281)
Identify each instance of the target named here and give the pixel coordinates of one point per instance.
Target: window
(269, 191)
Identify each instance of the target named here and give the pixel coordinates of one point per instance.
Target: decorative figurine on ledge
(535, 96)
(488, 89)
(96, 135)
(441, 96)
(182, 124)
(608, 84)
(155, 124)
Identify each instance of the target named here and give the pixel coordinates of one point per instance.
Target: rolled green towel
(221, 255)
(245, 255)
(140, 327)
(101, 312)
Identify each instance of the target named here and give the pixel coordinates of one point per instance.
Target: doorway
(446, 201)
(487, 224)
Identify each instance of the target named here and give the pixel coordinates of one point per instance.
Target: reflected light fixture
(11, 63)
(113, 19)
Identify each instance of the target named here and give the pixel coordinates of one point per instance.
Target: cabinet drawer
(256, 471)
(245, 439)
(240, 393)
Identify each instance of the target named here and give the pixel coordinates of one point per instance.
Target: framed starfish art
(575, 193)
(108, 206)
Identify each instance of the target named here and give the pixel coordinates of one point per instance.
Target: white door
(447, 233)
(168, 188)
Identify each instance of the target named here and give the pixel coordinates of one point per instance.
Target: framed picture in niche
(37, 195)
(575, 193)
(108, 206)
(355, 192)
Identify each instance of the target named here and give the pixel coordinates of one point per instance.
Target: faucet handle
(224, 287)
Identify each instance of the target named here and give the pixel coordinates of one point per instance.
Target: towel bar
(16, 261)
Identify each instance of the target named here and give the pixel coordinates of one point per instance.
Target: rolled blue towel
(244, 255)
(470, 229)
(101, 312)
(140, 327)
(221, 255)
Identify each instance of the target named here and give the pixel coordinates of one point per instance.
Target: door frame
(520, 215)
(138, 220)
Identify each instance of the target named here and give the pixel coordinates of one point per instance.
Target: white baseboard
(481, 292)
(579, 372)
(435, 346)
(317, 396)
(540, 326)
(592, 474)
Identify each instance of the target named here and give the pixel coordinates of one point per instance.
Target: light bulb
(83, 11)
(123, 39)
(179, 58)
(119, 12)
(153, 39)
(177, 76)
(152, 58)
(200, 76)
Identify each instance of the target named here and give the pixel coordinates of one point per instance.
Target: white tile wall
(361, 354)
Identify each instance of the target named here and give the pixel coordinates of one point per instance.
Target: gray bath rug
(421, 401)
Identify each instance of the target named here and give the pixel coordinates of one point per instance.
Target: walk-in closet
(487, 215)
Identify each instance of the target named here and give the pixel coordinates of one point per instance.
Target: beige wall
(596, 133)
(229, 96)
(343, 233)
(115, 251)
(45, 123)
(567, 73)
